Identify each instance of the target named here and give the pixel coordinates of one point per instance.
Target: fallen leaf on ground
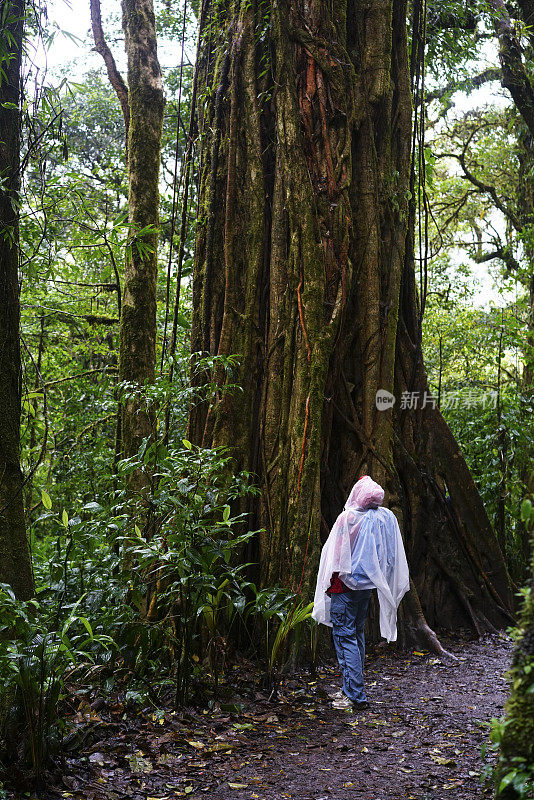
(218, 747)
(445, 762)
(138, 763)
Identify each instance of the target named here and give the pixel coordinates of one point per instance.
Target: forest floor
(420, 738)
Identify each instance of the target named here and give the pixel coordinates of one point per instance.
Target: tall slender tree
(142, 104)
(304, 266)
(137, 362)
(15, 565)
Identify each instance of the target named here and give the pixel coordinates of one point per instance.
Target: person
(364, 551)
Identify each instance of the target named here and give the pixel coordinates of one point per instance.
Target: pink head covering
(366, 493)
(365, 550)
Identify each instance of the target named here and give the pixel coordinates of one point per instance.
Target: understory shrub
(144, 593)
(43, 645)
(156, 626)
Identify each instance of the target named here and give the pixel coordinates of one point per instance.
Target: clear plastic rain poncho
(365, 547)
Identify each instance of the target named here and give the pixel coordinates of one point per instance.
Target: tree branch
(48, 384)
(69, 318)
(95, 319)
(465, 85)
(486, 187)
(504, 254)
(107, 287)
(115, 78)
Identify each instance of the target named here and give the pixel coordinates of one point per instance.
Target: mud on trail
(420, 738)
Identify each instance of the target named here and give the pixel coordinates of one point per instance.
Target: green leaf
(187, 444)
(93, 507)
(87, 625)
(65, 519)
(226, 513)
(45, 497)
(526, 511)
(506, 780)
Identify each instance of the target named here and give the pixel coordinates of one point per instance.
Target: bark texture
(15, 565)
(138, 315)
(304, 267)
(518, 737)
(526, 211)
(516, 75)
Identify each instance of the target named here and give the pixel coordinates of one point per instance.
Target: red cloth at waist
(336, 585)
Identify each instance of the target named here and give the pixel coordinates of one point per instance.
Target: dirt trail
(419, 739)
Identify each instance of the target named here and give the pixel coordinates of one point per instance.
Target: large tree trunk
(138, 315)
(15, 565)
(304, 267)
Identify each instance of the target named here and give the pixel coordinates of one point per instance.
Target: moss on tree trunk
(15, 565)
(138, 316)
(517, 743)
(304, 267)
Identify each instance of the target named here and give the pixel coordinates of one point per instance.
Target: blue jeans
(348, 613)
